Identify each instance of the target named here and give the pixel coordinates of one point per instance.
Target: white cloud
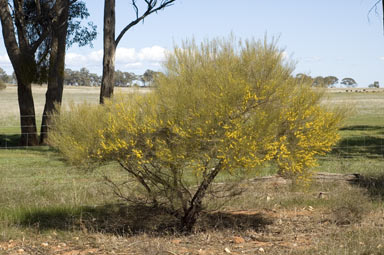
(75, 59)
(127, 59)
(153, 54)
(125, 55)
(96, 56)
(382, 58)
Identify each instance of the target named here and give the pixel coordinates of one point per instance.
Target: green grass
(40, 193)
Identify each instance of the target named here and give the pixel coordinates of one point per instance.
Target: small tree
(349, 82)
(318, 82)
(4, 76)
(225, 106)
(374, 85)
(330, 81)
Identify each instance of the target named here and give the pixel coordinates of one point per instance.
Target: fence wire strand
(351, 145)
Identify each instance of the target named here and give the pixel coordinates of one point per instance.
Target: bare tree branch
(374, 7)
(151, 4)
(382, 3)
(38, 7)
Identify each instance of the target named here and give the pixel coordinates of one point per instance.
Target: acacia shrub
(222, 106)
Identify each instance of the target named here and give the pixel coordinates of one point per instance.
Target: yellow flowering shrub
(225, 105)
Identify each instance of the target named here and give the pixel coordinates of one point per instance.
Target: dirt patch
(252, 232)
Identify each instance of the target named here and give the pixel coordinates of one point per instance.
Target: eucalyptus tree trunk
(108, 79)
(22, 59)
(29, 135)
(110, 43)
(54, 94)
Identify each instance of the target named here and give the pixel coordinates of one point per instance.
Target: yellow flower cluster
(215, 106)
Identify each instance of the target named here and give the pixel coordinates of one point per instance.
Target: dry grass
(48, 207)
(279, 219)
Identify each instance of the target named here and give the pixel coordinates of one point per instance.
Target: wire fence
(357, 141)
(11, 132)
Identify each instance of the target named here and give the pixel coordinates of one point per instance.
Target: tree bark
(107, 82)
(22, 60)
(54, 94)
(27, 114)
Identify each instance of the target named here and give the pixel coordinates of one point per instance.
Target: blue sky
(324, 37)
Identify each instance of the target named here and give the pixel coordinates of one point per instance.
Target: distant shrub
(224, 106)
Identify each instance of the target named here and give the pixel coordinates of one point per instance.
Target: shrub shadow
(234, 221)
(369, 146)
(9, 141)
(373, 184)
(362, 128)
(121, 219)
(12, 142)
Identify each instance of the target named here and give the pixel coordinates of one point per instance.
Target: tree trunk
(192, 213)
(107, 82)
(54, 94)
(22, 60)
(27, 114)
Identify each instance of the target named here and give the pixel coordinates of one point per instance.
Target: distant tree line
(84, 77)
(331, 81)
(327, 81)
(122, 79)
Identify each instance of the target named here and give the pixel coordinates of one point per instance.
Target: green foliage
(319, 81)
(376, 84)
(3, 76)
(76, 132)
(225, 106)
(349, 82)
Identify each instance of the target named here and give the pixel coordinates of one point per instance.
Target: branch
(374, 7)
(150, 9)
(38, 7)
(38, 42)
(9, 34)
(137, 176)
(43, 56)
(20, 24)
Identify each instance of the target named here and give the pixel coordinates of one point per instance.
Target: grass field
(49, 207)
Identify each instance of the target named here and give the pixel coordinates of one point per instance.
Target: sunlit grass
(39, 192)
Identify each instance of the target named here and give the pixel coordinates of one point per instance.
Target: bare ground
(288, 222)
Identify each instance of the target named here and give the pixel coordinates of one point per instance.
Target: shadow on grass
(9, 141)
(234, 221)
(373, 184)
(362, 128)
(12, 142)
(121, 219)
(368, 146)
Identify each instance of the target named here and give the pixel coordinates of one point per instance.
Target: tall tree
(38, 53)
(21, 52)
(110, 42)
(54, 92)
(65, 31)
